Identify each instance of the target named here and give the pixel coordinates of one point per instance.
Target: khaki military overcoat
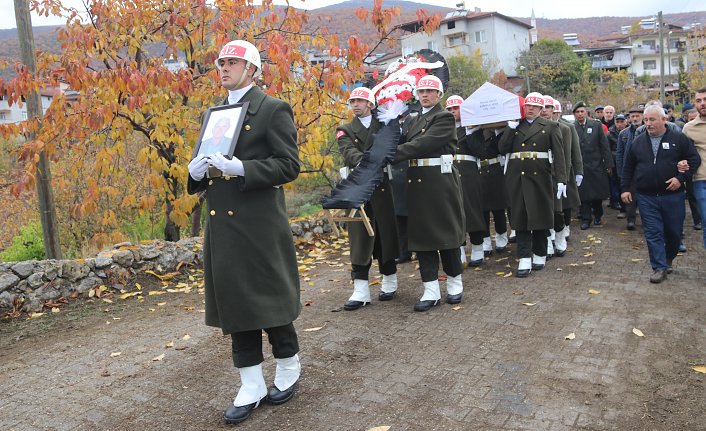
(597, 159)
(250, 265)
(435, 206)
(353, 142)
(529, 180)
(471, 145)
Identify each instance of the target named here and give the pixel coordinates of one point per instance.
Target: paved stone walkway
(492, 364)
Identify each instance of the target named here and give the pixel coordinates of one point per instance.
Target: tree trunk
(45, 194)
(196, 216)
(171, 230)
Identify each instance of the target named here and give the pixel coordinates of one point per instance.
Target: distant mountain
(340, 19)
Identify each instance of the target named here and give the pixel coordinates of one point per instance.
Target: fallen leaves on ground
(699, 368)
(318, 328)
(380, 428)
(115, 354)
(456, 308)
(594, 291)
(570, 336)
(590, 262)
(158, 358)
(637, 332)
(529, 304)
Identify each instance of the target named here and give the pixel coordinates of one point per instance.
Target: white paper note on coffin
(489, 104)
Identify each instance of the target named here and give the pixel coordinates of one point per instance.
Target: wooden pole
(45, 194)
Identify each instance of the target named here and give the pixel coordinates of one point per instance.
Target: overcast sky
(542, 8)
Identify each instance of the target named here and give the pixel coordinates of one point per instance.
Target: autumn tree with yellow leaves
(124, 134)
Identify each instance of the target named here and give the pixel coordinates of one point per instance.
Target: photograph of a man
(219, 142)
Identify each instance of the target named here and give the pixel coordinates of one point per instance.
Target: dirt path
(492, 364)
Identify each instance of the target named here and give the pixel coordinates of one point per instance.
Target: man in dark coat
(535, 160)
(597, 165)
(354, 139)
(625, 138)
(653, 162)
(468, 150)
(574, 172)
(436, 221)
(250, 265)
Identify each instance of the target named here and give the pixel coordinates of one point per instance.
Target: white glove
(513, 124)
(579, 179)
(198, 167)
(229, 167)
(560, 190)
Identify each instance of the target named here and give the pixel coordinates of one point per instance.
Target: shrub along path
(558, 350)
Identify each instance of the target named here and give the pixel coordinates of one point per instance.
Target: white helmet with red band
(534, 99)
(557, 106)
(243, 50)
(454, 101)
(430, 82)
(362, 93)
(548, 101)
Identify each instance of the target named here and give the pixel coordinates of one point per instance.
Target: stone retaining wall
(33, 282)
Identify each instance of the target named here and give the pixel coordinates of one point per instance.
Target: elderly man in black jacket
(652, 161)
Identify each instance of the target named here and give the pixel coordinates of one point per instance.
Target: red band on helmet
(232, 51)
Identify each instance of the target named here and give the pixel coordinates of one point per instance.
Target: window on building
(675, 62)
(456, 39)
(407, 51)
(649, 43)
(480, 36)
(431, 45)
(3, 116)
(451, 25)
(673, 43)
(649, 64)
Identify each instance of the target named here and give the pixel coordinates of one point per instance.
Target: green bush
(28, 245)
(145, 226)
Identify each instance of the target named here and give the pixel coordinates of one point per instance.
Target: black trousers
(360, 272)
(591, 210)
(247, 345)
(429, 263)
(402, 237)
(532, 242)
(559, 222)
(567, 216)
(476, 237)
(499, 220)
(695, 215)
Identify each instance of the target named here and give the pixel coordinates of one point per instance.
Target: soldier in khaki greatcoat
(535, 160)
(557, 235)
(436, 225)
(468, 150)
(574, 172)
(250, 265)
(354, 139)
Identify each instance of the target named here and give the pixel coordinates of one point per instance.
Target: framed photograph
(220, 129)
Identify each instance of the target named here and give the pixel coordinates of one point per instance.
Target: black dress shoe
(697, 226)
(522, 273)
(426, 305)
(631, 225)
(512, 239)
(559, 253)
(550, 255)
(386, 296)
(501, 249)
(682, 247)
(475, 263)
(277, 397)
(597, 221)
(585, 226)
(354, 305)
(487, 252)
(537, 266)
(235, 415)
(454, 299)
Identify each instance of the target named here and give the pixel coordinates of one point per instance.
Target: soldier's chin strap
(244, 75)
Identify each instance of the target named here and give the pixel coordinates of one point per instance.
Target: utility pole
(661, 57)
(45, 194)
